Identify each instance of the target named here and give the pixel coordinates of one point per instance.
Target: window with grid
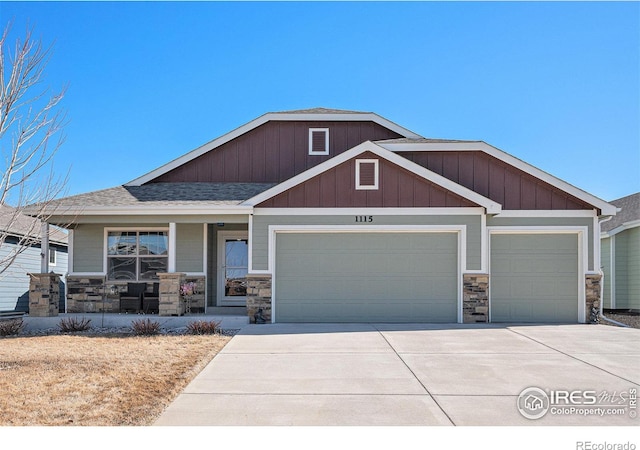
(137, 255)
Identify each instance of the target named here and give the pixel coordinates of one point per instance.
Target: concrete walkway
(368, 374)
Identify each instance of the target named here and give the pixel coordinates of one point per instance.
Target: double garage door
(366, 277)
(413, 277)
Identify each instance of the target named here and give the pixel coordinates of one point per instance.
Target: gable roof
(422, 144)
(315, 114)
(491, 206)
(629, 215)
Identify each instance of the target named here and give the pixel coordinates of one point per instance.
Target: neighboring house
(23, 232)
(340, 216)
(620, 243)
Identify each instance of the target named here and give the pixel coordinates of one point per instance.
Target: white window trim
(105, 255)
(53, 256)
(360, 187)
(326, 141)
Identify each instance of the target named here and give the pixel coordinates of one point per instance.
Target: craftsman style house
(339, 216)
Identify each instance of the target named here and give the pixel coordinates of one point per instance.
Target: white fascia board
(461, 211)
(606, 208)
(151, 211)
(262, 120)
(620, 229)
(491, 206)
(551, 213)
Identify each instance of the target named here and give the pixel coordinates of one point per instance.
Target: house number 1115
(364, 218)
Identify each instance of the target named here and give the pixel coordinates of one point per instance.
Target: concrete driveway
(379, 374)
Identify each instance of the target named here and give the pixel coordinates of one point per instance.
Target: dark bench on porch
(151, 301)
(131, 299)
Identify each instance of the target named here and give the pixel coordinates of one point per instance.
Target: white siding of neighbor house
(14, 282)
(260, 237)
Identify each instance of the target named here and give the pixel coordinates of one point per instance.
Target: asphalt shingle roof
(630, 211)
(167, 194)
(14, 223)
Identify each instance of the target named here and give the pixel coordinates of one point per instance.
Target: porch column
(44, 248)
(172, 248)
(44, 294)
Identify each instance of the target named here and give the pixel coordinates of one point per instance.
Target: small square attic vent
(318, 141)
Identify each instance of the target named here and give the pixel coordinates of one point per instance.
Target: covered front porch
(167, 269)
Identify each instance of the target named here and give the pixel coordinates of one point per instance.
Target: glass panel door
(233, 266)
(237, 264)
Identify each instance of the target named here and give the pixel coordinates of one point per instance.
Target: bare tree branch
(31, 132)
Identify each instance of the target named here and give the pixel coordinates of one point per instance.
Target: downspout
(601, 272)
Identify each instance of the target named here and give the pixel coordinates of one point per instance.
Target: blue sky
(555, 84)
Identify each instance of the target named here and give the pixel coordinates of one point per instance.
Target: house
(324, 215)
(21, 253)
(620, 255)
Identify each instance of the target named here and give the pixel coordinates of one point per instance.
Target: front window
(136, 255)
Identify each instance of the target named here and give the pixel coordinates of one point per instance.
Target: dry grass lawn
(97, 380)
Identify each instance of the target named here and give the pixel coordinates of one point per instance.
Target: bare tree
(31, 132)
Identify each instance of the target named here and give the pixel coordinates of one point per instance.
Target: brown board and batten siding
(335, 188)
(273, 152)
(513, 188)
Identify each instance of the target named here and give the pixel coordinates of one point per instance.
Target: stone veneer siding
(592, 294)
(475, 302)
(85, 294)
(44, 294)
(259, 297)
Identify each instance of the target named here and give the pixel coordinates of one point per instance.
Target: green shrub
(11, 327)
(204, 327)
(145, 327)
(73, 324)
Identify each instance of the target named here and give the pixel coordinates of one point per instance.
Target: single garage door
(534, 278)
(366, 277)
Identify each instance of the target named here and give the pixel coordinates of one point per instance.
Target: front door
(233, 265)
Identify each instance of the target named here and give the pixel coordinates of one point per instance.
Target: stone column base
(44, 294)
(170, 302)
(475, 302)
(259, 298)
(592, 295)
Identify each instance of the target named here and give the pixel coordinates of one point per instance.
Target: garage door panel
(534, 278)
(365, 277)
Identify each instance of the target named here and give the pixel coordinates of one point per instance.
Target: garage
(534, 278)
(366, 277)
